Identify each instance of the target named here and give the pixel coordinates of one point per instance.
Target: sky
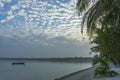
(41, 28)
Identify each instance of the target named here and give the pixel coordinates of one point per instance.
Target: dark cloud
(61, 47)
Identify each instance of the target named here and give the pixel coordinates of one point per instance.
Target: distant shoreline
(66, 59)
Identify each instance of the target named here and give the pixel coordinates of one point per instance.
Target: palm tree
(104, 45)
(103, 69)
(101, 14)
(102, 18)
(107, 44)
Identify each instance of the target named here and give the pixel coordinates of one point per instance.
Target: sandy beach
(87, 74)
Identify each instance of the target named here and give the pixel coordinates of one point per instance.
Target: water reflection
(38, 70)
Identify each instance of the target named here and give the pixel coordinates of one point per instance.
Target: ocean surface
(38, 70)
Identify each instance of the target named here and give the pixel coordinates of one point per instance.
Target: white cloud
(54, 22)
(14, 7)
(1, 4)
(7, 1)
(10, 13)
(10, 17)
(2, 21)
(22, 12)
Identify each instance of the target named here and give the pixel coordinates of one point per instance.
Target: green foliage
(106, 41)
(103, 69)
(108, 44)
(100, 71)
(102, 14)
(102, 19)
(112, 73)
(101, 60)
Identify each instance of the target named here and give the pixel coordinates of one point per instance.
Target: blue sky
(41, 28)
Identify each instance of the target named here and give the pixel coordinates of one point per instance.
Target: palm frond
(99, 14)
(100, 71)
(82, 5)
(95, 49)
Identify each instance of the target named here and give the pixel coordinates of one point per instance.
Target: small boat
(18, 63)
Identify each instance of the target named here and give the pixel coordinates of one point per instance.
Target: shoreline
(85, 74)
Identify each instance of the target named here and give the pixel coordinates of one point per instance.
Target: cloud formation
(62, 47)
(41, 28)
(41, 19)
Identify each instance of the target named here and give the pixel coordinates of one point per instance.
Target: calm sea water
(36, 70)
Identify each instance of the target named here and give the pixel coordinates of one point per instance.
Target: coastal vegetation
(103, 69)
(102, 19)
